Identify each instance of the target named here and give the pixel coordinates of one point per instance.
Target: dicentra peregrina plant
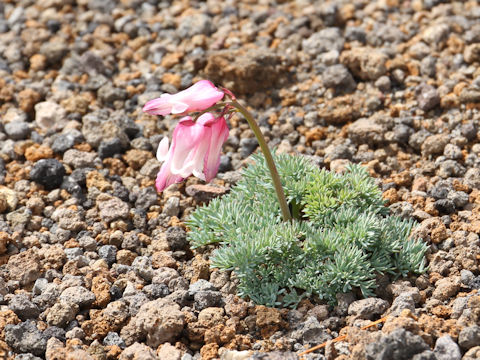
(340, 238)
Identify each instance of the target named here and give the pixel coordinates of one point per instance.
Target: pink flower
(198, 97)
(195, 149)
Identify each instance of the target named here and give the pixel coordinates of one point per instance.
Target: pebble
(427, 97)
(339, 78)
(25, 338)
(447, 349)
(400, 344)
(367, 308)
(469, 337)
(78, 295)
(49, 115)
(17, 130)
(48, 172)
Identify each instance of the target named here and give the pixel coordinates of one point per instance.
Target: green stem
(268, 157)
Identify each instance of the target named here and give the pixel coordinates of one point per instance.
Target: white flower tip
(162, 150)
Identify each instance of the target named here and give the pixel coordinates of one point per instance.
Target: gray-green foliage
(340, 240)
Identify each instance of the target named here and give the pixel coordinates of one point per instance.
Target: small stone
(160, 320)
(137, 158)
(50, 115)
(25, 338)
(8, 199)
(66, 141)
(469, 337)
(434, 144)
(247, 146)
(205, 193)
(78, 295)
(48, 172)
(427, 97)
(339, 78)
(108, 94)
(311, 332)
(109, 148)
(472, 354)
(112, 209)
(143, 267)
(195, 25)
(146, 198)
(38, 62)
(62, 313)
(17, 130)
(113, 338)
(447, 349)
(79, 159)
(23, 307)
(366, 131)
(167, 351)
(365, 63)
(24, 267)
(446, 288)
(108, 253)
(54, 50)
(138, 351)
(399, 344)
(472, 53)
(325, 40)
(383, 83)
(35, 152)
(368, 308)
(172, 206)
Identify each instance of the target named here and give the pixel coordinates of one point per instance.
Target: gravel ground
(95, 264)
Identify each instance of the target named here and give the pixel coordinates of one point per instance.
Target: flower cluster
(196, 145)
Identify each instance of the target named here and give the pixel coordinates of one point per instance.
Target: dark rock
(23, 307)
(108, 253)
(311, 332)
(445, 206)
(176, 238)
(56, 332)
(109, 148)
(155, 291)
(205, 299)
(146, 197)
(66, 141)
(399, 345)
(225, 164)
(325, 40)
(25, 338)
(469, 130)
(48, 172)
(247, 146)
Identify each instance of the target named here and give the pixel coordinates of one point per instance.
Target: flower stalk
(268, 157)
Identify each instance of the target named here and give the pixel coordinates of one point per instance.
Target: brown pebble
(37, 152)
(38, 62)
(27, 99)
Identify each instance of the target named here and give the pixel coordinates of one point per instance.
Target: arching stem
(268, 157)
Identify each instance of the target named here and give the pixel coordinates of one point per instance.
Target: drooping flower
(195, 149)
(198, 97)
